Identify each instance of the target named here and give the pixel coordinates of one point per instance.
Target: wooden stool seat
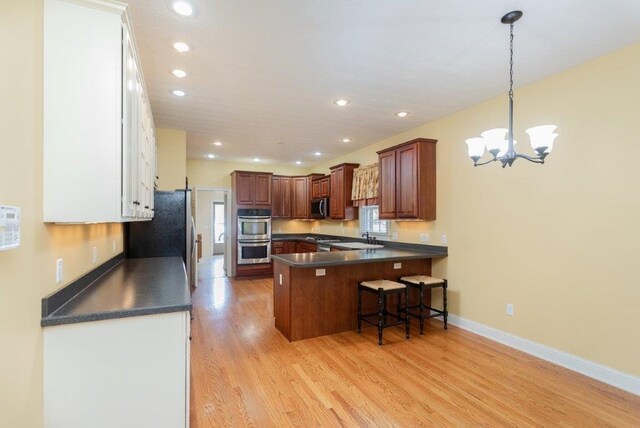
(422, 283)
(382, 288)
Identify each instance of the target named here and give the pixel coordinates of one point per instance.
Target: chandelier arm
(534, 159)
(486, 162)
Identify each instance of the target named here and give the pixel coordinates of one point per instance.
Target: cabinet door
(407, 182)
(315, 189)
(262, 190)
(129, 128)
(299, 198)
(337, 201)
(245, 185)
(285, 192)
(289, 247)
(324, 188)
(387, 183)
(276, 197)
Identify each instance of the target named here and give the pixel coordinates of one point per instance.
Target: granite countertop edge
(53, 320)
(411, 255)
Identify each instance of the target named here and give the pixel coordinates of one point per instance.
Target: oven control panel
(9, 227)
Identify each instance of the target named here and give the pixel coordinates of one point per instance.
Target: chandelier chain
(511, 63)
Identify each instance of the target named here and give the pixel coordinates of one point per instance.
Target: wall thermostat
(9, 227)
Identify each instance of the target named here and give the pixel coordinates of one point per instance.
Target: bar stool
(383, 288)
(422, 283)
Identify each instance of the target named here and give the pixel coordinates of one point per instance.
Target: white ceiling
(262, 75)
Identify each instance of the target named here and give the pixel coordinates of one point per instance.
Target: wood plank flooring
(245, 373)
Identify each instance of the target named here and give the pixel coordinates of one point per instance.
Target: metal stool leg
(380, 315)
(444, 302)
(359, 308)
(406, 309)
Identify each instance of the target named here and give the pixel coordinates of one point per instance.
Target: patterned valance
(365, 185)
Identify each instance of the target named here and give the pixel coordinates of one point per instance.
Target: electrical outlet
(59, 270)
(321, 272)
(95, 255)
(443, 238)
(424, 237)
(510, 309)
(397, 265)
(113, 247)
(394, 236)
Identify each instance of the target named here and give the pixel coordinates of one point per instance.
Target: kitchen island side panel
(321, 305)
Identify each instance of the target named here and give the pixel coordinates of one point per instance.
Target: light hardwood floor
(245, 373)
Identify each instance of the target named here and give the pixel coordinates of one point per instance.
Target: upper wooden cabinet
(341, 206)
(252, 189)
(301, 195)
(320, 187)
(99, 144)
(408, 180)
(280, 196)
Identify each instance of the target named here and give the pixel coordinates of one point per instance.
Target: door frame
(227, 208)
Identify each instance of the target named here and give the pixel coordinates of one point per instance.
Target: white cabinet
(98, 136)
(127, 372)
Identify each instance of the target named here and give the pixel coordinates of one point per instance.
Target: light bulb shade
(542, 136)
(476, 146)
(503, 146)
(494, 138)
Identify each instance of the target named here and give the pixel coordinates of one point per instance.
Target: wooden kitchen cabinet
(341, 206)
(301, 195)
(252, 189)
(306, 247)
(99, 148)
(289, 247)
(407, 188)
(280, 196)
(320, 188)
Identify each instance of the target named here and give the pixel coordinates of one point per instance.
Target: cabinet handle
(146, 207)
(136, 203)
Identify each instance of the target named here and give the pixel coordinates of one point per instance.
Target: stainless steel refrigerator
(171, 233)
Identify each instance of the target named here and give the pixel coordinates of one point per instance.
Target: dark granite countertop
(335, 258)
(132, 287)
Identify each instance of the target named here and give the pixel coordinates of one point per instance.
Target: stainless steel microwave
(320, 208)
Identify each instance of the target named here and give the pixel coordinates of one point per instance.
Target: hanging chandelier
(499, 142)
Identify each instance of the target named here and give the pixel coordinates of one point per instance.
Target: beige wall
(559, 241)
(28, 272)
(214, 173)
(172, 158)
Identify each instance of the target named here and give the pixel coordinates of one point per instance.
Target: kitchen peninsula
(315, 294)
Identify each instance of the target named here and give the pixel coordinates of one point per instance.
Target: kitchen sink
(358, 245)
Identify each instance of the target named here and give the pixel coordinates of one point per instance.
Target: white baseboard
(597, 371)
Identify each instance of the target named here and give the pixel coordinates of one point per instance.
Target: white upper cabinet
(99, 138)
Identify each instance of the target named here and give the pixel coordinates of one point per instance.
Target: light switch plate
(59, 270)
(321, 272)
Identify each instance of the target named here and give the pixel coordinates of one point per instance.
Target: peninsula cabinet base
(306, 305)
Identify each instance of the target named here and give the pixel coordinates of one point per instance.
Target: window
(369, 221)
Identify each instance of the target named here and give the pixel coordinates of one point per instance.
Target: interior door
(218, 228)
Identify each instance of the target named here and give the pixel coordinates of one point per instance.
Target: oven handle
(254, 218)
(254, 243)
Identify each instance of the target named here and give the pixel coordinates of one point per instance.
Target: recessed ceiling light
(402, 114)
(341, 102)
(182, 8)
(178, 93)
(211, 156)
(256, 159)
(179, 73)
(217, 143)
(181, 47)
(318, 154)
(298, 162)
(346, 140)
